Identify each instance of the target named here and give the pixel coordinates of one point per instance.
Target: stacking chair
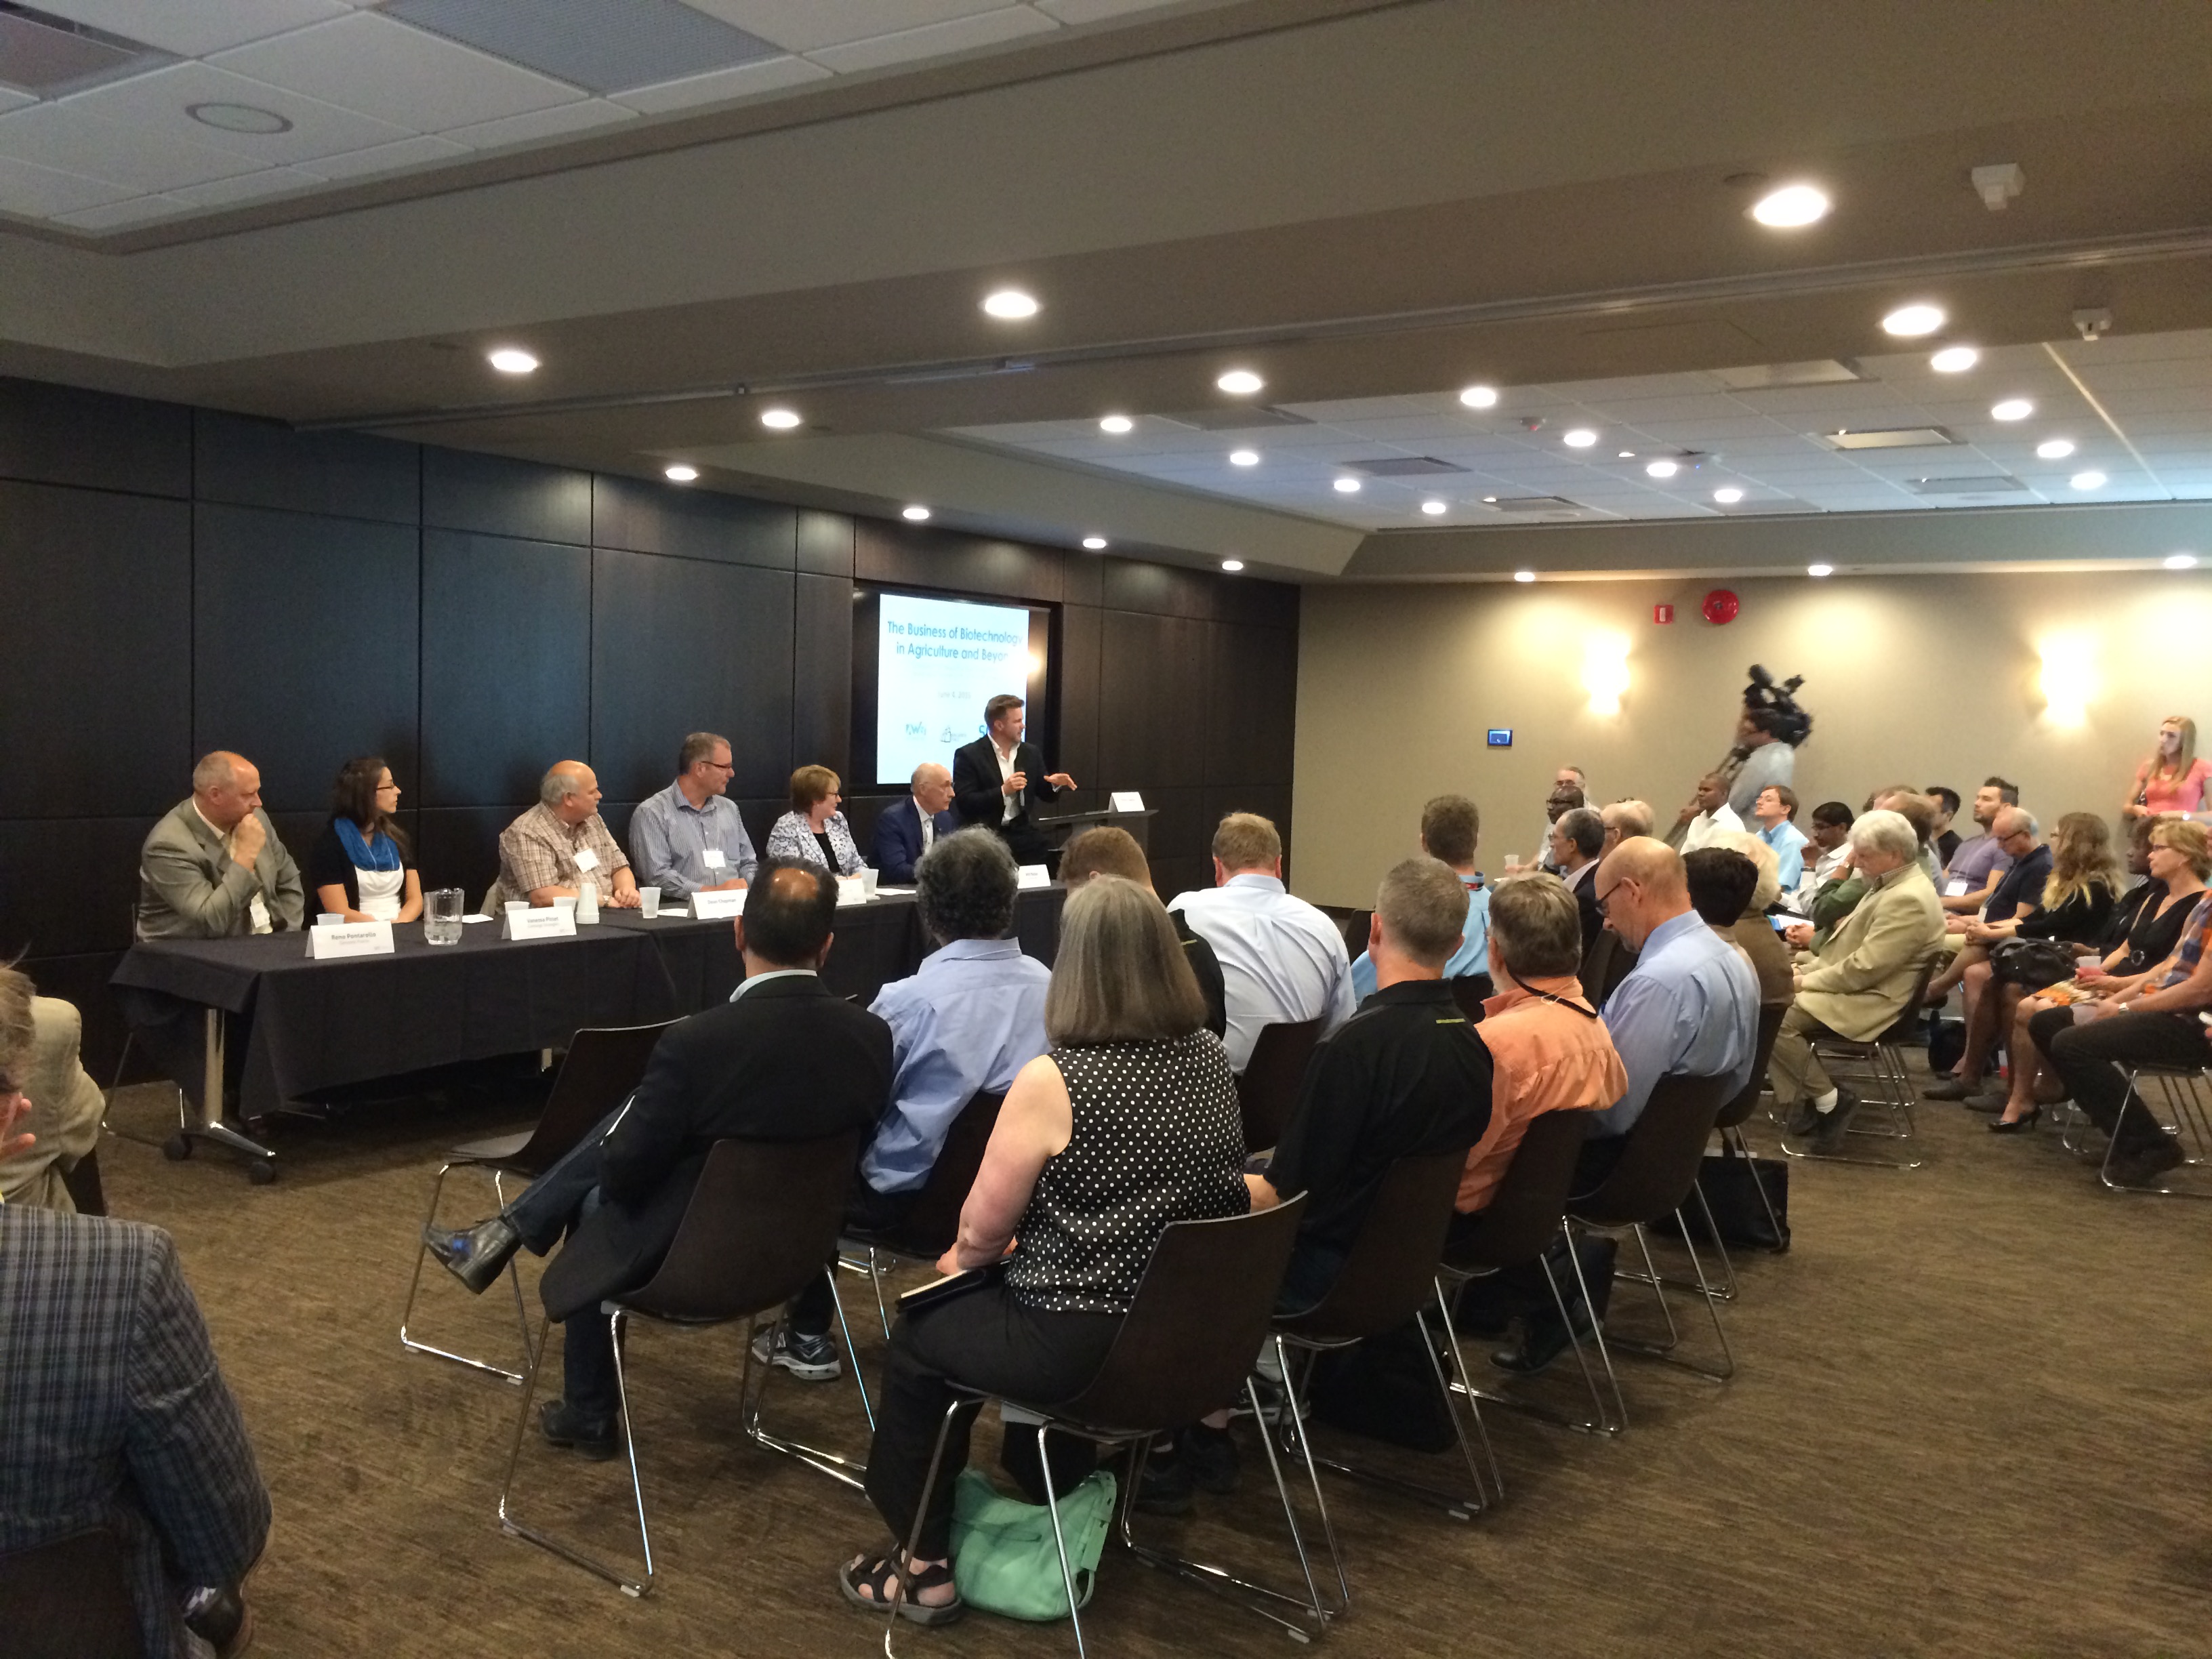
(1878, 1069)
(604, 1064)
(70, 1599)
(1514, 1228)
(761, 1222)
(1185, 1346)
(1268, 1090)
(1657, 1174)
(1388, 1278)
(2178, 1087)
(1729, 1125)
(932, 1222)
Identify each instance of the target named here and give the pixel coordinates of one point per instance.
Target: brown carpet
(1970, 1419)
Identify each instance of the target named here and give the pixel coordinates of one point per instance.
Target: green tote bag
(1004, 1560)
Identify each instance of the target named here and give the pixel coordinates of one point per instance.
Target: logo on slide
(948, 735)
(916, 729)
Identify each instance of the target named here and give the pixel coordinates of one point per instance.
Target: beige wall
(1932, 678)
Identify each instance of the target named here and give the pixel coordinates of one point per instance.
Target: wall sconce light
(1605, 671)
(2069, 679)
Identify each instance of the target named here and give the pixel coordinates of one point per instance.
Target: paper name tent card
(718, 907)
(1035, 875)
(328, 941)
(557, 921)
(1126, 800)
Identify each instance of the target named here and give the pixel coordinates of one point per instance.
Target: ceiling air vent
(1238, 420)
(1771, 377)
(50, 56)
(1985, 486)
(1401, 466)
(1559, 504)
(1895, 437)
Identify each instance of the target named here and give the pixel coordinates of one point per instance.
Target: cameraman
(1768, 758)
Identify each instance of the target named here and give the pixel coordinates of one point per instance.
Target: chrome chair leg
(514, 1527)
(852, 1354)
(1060, 1538)
(1666, 1351)
(846, 1471)
(1293, 1427)
(415, 1285)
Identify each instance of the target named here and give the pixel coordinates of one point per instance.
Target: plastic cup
(648, 900)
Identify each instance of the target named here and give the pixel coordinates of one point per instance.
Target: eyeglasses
(718, 766)
(1606, 897)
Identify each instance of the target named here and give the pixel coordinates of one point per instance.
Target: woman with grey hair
(1129, 1124)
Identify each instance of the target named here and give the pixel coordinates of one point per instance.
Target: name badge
(1035, 875)
(712, 858)
(718, 907)
(555, 921)
(257, 912)
(1955, 888)
(349, 938)
(587, 860)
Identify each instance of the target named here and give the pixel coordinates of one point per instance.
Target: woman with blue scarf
(362, 867)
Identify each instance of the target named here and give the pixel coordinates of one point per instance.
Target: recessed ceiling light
(1728, 495)
(2090, 480)
(1661, 469)
(1117, 424)
(1954, 360)
(1096, 543)
(1233, 565)
(1010, 303)
(1480, 397)
(1627, 454)
(1489, 501)
(1243, 458)
(1347, 486)
(1910, 322)
(511, 360)
(1791, 206)
(2054, 449)
(2181, 562)
(918, 514)
(1524, 576)
(782, 419)
(1432, 506)
(1819, 569)
(1240, 382)
(1581, 438)
(2012, 409)
(240, 117)
(679, 473)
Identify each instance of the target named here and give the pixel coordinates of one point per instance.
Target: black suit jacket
(978, 791)
(896, 843)
(785, 1061)
(1583, 883)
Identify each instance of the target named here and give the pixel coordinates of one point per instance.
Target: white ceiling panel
(71, 140)
(723, 86)
(132, 211)
(11, 99)
(386, 158)
(383, 69)
(193, 29)
(988, 28)
(41, 192)
(157, 108)
(247, 187)
(1072, 12)
(807, 24)
(534, 125)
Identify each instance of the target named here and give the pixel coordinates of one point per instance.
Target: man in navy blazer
(907, 829)
(995, 778)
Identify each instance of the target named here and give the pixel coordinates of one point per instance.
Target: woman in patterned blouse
(1130, 1123)
(814, 831)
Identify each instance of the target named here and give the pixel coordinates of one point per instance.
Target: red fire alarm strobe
(1662, 613)
(1720, 606)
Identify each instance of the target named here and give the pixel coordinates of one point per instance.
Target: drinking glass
(441, 916)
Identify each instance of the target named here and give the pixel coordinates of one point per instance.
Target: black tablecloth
(318, 1024)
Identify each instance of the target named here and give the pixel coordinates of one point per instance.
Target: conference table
(312, 1025)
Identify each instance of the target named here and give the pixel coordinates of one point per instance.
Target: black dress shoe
(1210, 1456)
(1166, 1488)
(562, 1425)
(223, 1621)
(1542, 1342)
(475, 1255)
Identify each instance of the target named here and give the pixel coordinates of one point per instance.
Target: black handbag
(1733, 1183)
(2031, 964)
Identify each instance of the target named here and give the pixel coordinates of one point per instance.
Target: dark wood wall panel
(642, 518)
(825, 544)
(1251, 705)
(253, 463)
(58, 435)
(67, 885)
(1162, 590)
(682, 645)
(304, 636)
(1152, 679)
(821, 676)
(507, 665)
(502, 497)
(458, 846)
(1080, 632)
(915, 556)
(96, 718)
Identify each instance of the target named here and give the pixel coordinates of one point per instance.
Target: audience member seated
(1549, 1051)
(1565, 797)
(1946, 840)
(558, 845)
(1767, 760)
(1738, 871)
(2178, 859)
(1829, 840)
(1713, 816)
(690, 838)
(1856, 984)
(814, 831)
(1775, 813)
(1840, 895)
(1450, 828)
(1282, 960)
(2018, 836)
(61, 1104)
(2170, 782)
(1624, 818)
(116, 1411)
(361, 866)
(783, 1060)
(1976, 866)
(910, 826)
(1109, 850)
(1577, 839)
(2147, 1019)
(1130, 1123)
(970, 1018)
(2073, 907)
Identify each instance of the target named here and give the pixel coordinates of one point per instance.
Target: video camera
(1792, 724)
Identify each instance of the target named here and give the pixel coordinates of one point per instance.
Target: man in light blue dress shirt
(1450, 827)
(688, 838)
(1774, 813)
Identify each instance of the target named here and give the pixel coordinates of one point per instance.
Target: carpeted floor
(1971, 1418)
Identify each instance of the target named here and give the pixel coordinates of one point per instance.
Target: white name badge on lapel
(714, 858)
(349, 938)
(718, 907)
(258, 913)
(852, 889)
(554, 921)
(1126, 800)
(587, 860)
(1955, 888)
(1035, 875)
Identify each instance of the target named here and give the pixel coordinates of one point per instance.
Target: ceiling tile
(602, 45)
(193, 29)
(386, 158)
(13, 100)
(158, 106)
(71, 140)
(723, 86)
(805, 25)
(1091, 11)
(383, 68)
(133, 210)
(537, 124)
(936, 41)
(248, 187)
(47, 192)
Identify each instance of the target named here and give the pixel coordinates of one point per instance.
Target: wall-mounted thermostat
(1501, 737)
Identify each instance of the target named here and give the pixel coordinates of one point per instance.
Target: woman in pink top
(2170, 783)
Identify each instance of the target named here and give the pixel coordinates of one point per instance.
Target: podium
(1059, 831)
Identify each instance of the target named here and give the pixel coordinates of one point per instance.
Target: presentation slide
(938, 662)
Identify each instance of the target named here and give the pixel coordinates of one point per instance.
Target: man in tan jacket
(1858, 983)
(39, 1038)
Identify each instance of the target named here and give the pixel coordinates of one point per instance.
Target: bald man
(560, 843)
(1624, 818)
(907, 829)
(214, 867)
